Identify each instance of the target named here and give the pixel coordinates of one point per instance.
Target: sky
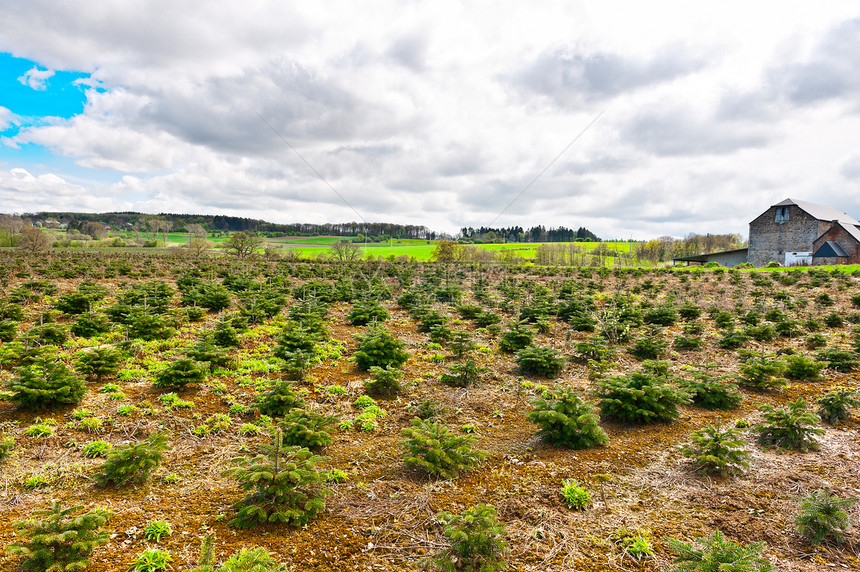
(632, 119)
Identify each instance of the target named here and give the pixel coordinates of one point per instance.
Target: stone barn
(794, 232)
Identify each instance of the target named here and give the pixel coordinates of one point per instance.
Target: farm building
(794, 232)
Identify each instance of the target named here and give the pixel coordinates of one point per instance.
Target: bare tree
(195, 231)
(344, 251)
(34, 240)
(11, 224)
(242, 244)
(198, 246)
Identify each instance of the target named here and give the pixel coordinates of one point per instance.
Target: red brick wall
(837, 234)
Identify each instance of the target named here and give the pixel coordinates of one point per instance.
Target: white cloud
(36, 78)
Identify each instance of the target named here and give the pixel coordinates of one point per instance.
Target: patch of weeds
(151, 560)
(636, 543)
(39, 430)
(575, 496)
(155, 529)
(95, 449)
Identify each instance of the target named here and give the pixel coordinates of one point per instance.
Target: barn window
(781, 214)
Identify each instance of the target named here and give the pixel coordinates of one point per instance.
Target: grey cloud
(152, 34)
(850, 169)
(568, 77)
(300, 106)
(831, 71)
(678, 131)
(409, 51)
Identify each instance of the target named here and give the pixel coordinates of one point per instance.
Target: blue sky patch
(32, 92)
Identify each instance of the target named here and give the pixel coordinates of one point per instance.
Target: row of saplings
(283, 485)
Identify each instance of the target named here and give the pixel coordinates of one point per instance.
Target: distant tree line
(538, 233)
(221, 224)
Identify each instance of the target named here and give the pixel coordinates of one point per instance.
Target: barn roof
(830, 249)
(821, 212)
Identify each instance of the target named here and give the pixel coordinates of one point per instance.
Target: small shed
(727, 258)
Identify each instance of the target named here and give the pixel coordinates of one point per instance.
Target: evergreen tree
(59, 541)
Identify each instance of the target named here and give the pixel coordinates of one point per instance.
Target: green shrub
(566, 420)
(365, 312)
(90, 324)
(648, 346)
(575, 496)
(761, 373)
(8, 330)
(717, 553)
(594, 349)
(208, 352)
(151, 560)
(437, 451)
(477, 541)
(134, 462)
(427, 409)
(45, 383)
(305, 428)
(99, 363)
(761, 333)
(644, 396)
(824, 517)
(379, 348)
(834, 320)
(815, 341)
(843, 361)
(282, 485)
(715, 450)
(56, 540)
(279, 400)
(689, 310)
(49, 334)
(518, 336)
(148, 326)
(834, 405)
(712, 393)
(687, 343)
(732, 339)
(246, 560)
(665, 315)
(791, 427)
(384, 382)
(535, 360)
(462, 374)
(155, 529)
(180, 373)
(804, 368)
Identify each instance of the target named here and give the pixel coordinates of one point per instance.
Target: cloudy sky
(438, 113)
